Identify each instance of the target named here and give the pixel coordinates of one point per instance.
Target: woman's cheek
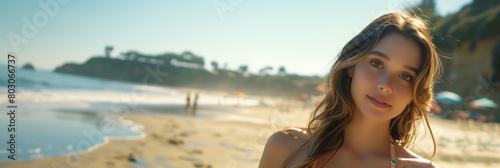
(405, 91)
(368, 73)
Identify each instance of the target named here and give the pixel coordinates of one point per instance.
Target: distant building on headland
(187, 70)
(185, 60)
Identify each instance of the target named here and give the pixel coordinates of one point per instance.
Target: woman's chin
(376, 115)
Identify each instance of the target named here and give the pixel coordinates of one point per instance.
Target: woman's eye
(376, 63)
(406, 77)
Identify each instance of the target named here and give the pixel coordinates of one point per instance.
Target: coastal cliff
(469, 46)
(187, 70)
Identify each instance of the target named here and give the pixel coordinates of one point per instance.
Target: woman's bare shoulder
(407, 158)
(294, 133)
(281, 145)
(288, 138)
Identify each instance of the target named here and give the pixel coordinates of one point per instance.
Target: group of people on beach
(187, 109)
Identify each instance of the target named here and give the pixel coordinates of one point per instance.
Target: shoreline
(183, 154)
(106, 140)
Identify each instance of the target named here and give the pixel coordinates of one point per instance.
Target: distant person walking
(188, 98)
(195, 105)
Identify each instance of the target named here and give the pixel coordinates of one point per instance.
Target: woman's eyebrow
(380, 54)
(375, 52)
(411, 69)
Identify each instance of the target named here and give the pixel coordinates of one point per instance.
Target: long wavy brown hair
(328, 120)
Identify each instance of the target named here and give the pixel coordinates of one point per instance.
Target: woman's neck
(365, 136)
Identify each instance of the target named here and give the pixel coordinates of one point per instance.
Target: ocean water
(59, 113)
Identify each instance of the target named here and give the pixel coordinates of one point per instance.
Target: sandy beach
(177, 141)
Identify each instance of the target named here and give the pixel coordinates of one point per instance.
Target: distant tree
(426, 10)
(28, 66)
(428, 7)
(243, 69)
(265, 70)
(479, 6)
(215, 65)
(282, 71)
(108, 51)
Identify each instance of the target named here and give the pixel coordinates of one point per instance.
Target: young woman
(376, 93)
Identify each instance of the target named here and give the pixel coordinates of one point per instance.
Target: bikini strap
(393, 154)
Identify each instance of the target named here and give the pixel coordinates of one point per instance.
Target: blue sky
(304, 36)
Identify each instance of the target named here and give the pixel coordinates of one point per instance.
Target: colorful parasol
(320, 88)
(483, 103)
(239, 94)
(448, 97)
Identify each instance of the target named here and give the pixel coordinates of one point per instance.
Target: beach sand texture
(173, 141)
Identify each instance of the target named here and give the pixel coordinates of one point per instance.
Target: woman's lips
(379, 101)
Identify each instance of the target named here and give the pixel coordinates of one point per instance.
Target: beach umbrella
(239, 94)
(448, 97)
(303, 96)
(483, 103)
(320, 88)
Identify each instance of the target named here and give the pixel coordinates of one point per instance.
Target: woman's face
(382, 82)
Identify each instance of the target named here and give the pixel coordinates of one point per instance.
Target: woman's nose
(384, 83)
